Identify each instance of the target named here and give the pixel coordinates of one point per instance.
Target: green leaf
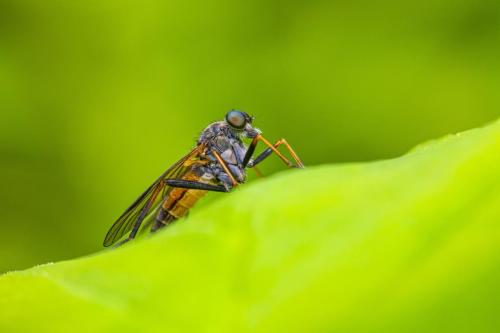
(405, 245)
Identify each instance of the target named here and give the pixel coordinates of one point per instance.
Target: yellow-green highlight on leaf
(404, 245)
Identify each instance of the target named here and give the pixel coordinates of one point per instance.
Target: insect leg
(193, 185)
(248, 155)
(262, 156)
(250, 151)
(225, 168)
(273, 148)
(298, 162)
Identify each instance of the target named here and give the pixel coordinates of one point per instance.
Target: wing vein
(132, 218)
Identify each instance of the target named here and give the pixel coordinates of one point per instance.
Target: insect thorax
(227, 142)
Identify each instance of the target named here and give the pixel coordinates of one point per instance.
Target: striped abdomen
(178, 202)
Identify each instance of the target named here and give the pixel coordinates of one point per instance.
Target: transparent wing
(132, 218)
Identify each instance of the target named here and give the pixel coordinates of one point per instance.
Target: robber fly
(217, 163)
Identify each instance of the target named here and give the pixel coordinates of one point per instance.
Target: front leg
(269, 151)
(250, 151)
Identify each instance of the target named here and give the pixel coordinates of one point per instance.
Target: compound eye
(236, 119)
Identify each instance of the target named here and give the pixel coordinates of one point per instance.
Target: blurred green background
(97, 98)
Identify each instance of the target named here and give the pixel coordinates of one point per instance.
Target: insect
(217, 163)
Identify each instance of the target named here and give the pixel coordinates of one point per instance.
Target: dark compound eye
(236, 119)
